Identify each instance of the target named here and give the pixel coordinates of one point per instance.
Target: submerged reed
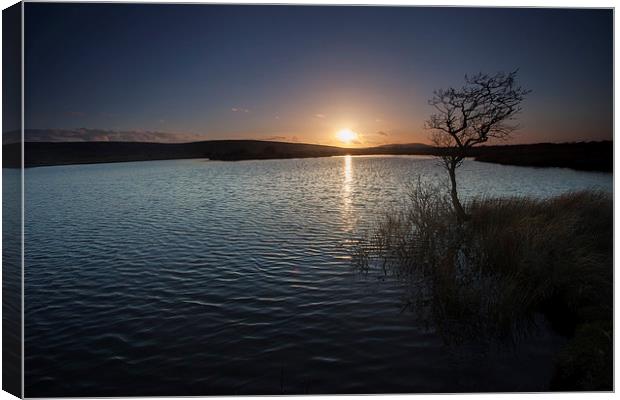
(515, 258)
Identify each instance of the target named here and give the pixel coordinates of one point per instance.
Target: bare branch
(470, 116)
(478, 111)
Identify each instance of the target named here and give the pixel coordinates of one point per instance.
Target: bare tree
(466, 117)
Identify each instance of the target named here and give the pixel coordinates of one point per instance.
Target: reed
(515, 259)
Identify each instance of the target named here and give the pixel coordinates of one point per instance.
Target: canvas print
(205, 199)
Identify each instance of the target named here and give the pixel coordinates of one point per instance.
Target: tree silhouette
(471, 115)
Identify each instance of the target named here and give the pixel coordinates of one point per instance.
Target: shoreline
(581, 156)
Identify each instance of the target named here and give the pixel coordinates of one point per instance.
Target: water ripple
(194, 278)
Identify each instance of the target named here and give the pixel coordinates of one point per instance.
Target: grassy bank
(585, 156)
(515, 259)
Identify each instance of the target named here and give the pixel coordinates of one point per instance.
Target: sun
(346, 135)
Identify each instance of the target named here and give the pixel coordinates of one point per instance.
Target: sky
(305, 73)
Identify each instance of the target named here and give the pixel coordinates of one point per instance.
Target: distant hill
(591, 156)
(405, 146)
(587, 156)
(62, 153)
(408, 148)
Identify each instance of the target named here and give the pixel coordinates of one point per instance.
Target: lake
(196, 277)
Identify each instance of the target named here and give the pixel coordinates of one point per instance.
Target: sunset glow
(347, 136)
(378, 69)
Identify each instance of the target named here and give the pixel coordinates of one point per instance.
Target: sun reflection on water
(347, 189)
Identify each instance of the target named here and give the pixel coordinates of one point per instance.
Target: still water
(195, 277)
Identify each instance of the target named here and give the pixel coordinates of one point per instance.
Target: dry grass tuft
(487, 278)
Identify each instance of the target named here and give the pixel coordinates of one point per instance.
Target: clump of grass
(586, 362)
(515, 258)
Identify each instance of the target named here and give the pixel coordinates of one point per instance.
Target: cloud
(378, 120)
(320, 115)
(103, 135)
(238, 109)
(276, 138)
(75, 114)
(382, 133)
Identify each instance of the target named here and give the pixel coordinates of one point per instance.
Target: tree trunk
(456, 203)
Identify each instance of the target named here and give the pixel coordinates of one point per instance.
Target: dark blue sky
(303, 73)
